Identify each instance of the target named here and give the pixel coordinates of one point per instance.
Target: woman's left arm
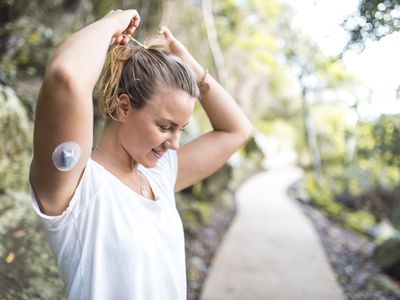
(201, 157)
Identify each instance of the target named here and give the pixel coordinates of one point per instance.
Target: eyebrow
(173, 123)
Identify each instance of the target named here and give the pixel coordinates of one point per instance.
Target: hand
(180, 52)
(126, 22)
(176, 48)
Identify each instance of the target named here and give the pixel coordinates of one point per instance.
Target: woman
(109, 212)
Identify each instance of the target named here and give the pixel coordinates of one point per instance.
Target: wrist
(196, 69)
(203, 84)
(113, 24)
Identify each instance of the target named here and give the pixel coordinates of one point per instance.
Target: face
(151, 131)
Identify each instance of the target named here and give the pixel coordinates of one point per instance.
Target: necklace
(142, 188)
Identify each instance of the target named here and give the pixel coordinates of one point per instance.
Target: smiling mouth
(159, 154)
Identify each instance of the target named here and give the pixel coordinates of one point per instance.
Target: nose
(173, 141)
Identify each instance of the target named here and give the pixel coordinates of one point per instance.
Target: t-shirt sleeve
(172, 158)
(55, 223)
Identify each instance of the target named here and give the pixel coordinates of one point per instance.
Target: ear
(124, 107)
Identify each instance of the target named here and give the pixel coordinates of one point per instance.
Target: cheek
(142, 135)
(152, 137)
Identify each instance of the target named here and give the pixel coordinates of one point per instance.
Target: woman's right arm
(64, 110)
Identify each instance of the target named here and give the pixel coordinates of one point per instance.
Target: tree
(217, 56)
(373, 20)
(249, 35)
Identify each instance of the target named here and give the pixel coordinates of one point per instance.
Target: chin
(149, 164)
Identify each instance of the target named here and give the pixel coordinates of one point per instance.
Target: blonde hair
(141, 73)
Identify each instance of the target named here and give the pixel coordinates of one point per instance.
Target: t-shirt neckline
(151, 183)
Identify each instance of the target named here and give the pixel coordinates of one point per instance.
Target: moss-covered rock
(387, 256)
(28, 269)
(15, 141)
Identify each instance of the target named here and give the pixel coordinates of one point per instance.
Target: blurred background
(318, 79)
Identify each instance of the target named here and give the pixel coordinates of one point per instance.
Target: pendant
(144, 192)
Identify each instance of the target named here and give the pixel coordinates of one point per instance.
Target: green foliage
(334, 73)
(26, 58)
(332, 130)
(250, 36)
(322, 197)
(101, 7)
(359, 221)
(360, 167)
(203, 209)
(30, 30)
(374, 19)
(378, 149)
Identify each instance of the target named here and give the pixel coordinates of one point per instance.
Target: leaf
(10, 257)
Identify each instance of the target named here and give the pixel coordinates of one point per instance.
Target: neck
(111, 152)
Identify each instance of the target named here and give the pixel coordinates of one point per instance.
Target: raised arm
(231, 128)
(64, 110)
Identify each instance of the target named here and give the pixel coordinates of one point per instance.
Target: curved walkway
(271, 250)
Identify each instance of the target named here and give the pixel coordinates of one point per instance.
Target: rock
(253, 155)
(382, 230)
(15, 141)
(28, 268)
(387, 256)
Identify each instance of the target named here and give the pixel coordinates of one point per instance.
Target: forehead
(173, 104)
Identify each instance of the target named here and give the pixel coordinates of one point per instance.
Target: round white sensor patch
(66, 155)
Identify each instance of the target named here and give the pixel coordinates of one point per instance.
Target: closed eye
(164, 128)
(171, 127)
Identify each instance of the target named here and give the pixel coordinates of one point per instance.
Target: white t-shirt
(111, 243)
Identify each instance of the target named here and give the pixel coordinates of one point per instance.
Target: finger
(161, 30)
(125, 32)
(165, 32)
(130, 30)
(118, 39)
(135, 20)
(125, 40)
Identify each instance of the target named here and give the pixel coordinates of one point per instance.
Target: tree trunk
(216, 52)
(310, 135)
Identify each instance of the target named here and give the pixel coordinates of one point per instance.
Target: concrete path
(271, 251)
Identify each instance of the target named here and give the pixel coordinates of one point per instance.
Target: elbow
(246, 132)
(59, 75)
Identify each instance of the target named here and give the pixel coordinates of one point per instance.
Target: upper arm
(203, 156)
(64, 113)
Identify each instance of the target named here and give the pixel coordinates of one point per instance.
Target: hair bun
(158, 43)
